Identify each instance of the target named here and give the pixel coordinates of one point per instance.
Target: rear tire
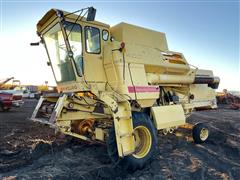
(5, 109)
(200, 133)
(146, 144)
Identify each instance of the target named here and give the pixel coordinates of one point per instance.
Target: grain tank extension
(119, 85)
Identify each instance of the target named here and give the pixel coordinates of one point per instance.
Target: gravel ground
(30, 150)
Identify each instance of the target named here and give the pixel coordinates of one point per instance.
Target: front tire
(145, 136)
(200, 133)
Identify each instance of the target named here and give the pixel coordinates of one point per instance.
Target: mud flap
(168, 116)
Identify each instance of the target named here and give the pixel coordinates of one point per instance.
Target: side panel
(146, 95)
(168, 116)
(204, 96)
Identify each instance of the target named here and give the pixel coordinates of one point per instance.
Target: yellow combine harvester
(118, 85)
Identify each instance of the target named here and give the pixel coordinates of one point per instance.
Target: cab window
(92, 40)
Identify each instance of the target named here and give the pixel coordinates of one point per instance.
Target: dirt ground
(30, 150)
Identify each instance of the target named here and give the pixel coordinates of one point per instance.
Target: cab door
(93, 58)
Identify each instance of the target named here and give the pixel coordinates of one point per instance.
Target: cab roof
(51, 15)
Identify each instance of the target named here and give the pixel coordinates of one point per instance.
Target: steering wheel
(63, 47)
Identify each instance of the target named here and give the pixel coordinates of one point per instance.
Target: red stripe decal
(142, 89)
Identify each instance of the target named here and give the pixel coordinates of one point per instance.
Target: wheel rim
(204, 134)
(143, 141)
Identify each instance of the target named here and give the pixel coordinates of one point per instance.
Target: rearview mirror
(91, 14)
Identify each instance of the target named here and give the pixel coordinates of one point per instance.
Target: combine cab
(119, 85)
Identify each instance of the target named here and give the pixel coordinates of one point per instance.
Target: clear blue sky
(207, 33)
